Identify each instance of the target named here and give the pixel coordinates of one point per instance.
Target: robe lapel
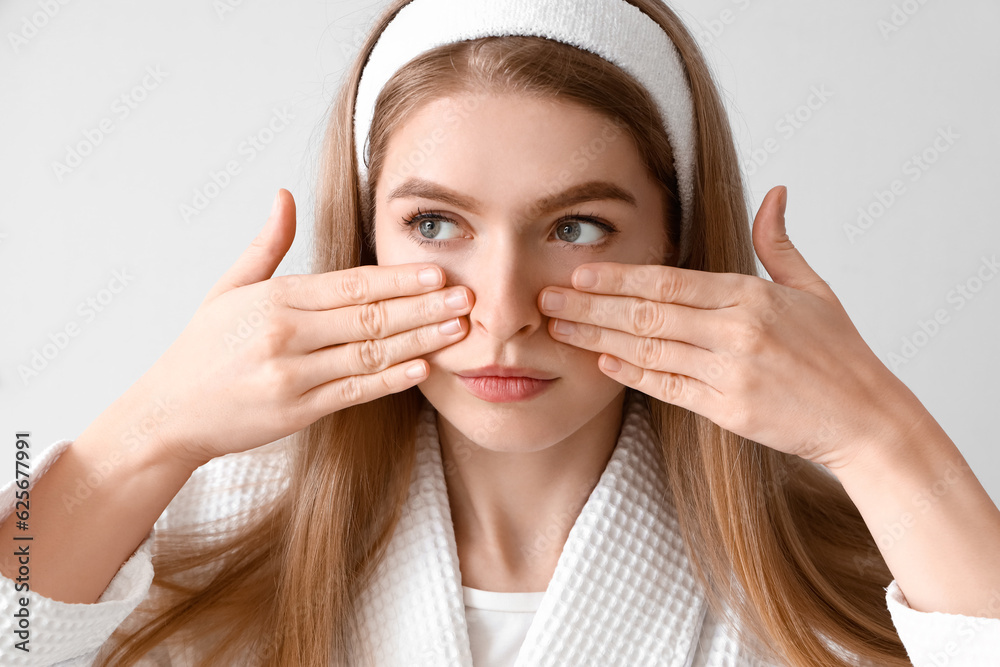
(414, 613)
(623, 591)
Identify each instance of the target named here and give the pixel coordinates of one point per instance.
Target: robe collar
(623, 591)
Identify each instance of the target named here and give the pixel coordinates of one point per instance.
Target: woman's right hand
(264, 357)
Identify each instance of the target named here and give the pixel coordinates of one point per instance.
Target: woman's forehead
(513, 142)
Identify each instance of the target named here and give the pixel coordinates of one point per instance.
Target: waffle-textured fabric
(623, 591)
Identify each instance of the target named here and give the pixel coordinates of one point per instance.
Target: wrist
(135, 429)
(910, 451)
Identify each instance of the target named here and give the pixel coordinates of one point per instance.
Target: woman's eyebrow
(576, 194)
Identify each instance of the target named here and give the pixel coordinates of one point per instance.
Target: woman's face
(506, 179)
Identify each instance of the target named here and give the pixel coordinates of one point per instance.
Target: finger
(259, 261)
(637, 316)
(666, 284)
(781, 259)
(679, 390)
(650, 353)
(374, 356)
(345, 392)
(362, 284)
(316, 329)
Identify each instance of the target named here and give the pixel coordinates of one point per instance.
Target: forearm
(93, 507)
(934, 524)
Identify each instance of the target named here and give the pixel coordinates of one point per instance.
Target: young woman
(532, 407)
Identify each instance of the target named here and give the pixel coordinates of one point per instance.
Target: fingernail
(450, 327)
(553, 300)
(564, 327)
(428, 277)
(457, 300)
(585, 278)
(274, 206)
(612, 365)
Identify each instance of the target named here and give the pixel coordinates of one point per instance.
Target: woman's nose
(506, 294)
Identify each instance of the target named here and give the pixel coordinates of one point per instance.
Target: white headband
(617, 31)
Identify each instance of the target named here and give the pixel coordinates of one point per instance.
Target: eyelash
(410, 222)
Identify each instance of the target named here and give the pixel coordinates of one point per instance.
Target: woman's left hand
(778, 362)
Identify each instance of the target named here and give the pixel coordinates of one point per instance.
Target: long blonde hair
(777, 543)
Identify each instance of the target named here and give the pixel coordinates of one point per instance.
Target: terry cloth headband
(617, 31)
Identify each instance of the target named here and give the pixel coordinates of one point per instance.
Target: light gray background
(894, 75)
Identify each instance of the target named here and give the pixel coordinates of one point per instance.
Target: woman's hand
(264, 357)
(778, 362)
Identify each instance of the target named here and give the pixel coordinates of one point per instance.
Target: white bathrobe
(623, 591)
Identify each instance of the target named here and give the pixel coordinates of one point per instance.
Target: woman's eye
(580, 232)
(430, 228)
(577, 232)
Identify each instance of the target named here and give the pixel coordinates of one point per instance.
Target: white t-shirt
(498, 623)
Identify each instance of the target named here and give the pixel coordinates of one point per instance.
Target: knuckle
(673, 387)
(648, 353)
(372, 318)
(352, 286)
(350, 390)
(748, 336)
(279, 378)
(372, 356)
(646, 318)
(425, 338)
(756, 335)
(276, 336)
(387, 383)
(431, 309)
(668, 285)
(401, 282)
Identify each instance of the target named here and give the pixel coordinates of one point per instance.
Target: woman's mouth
(504, 389)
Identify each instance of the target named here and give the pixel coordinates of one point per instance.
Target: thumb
(259, 261)
(780, 258)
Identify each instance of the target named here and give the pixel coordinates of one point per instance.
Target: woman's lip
(504, 389)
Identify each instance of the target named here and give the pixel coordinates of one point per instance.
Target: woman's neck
(512, 511)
